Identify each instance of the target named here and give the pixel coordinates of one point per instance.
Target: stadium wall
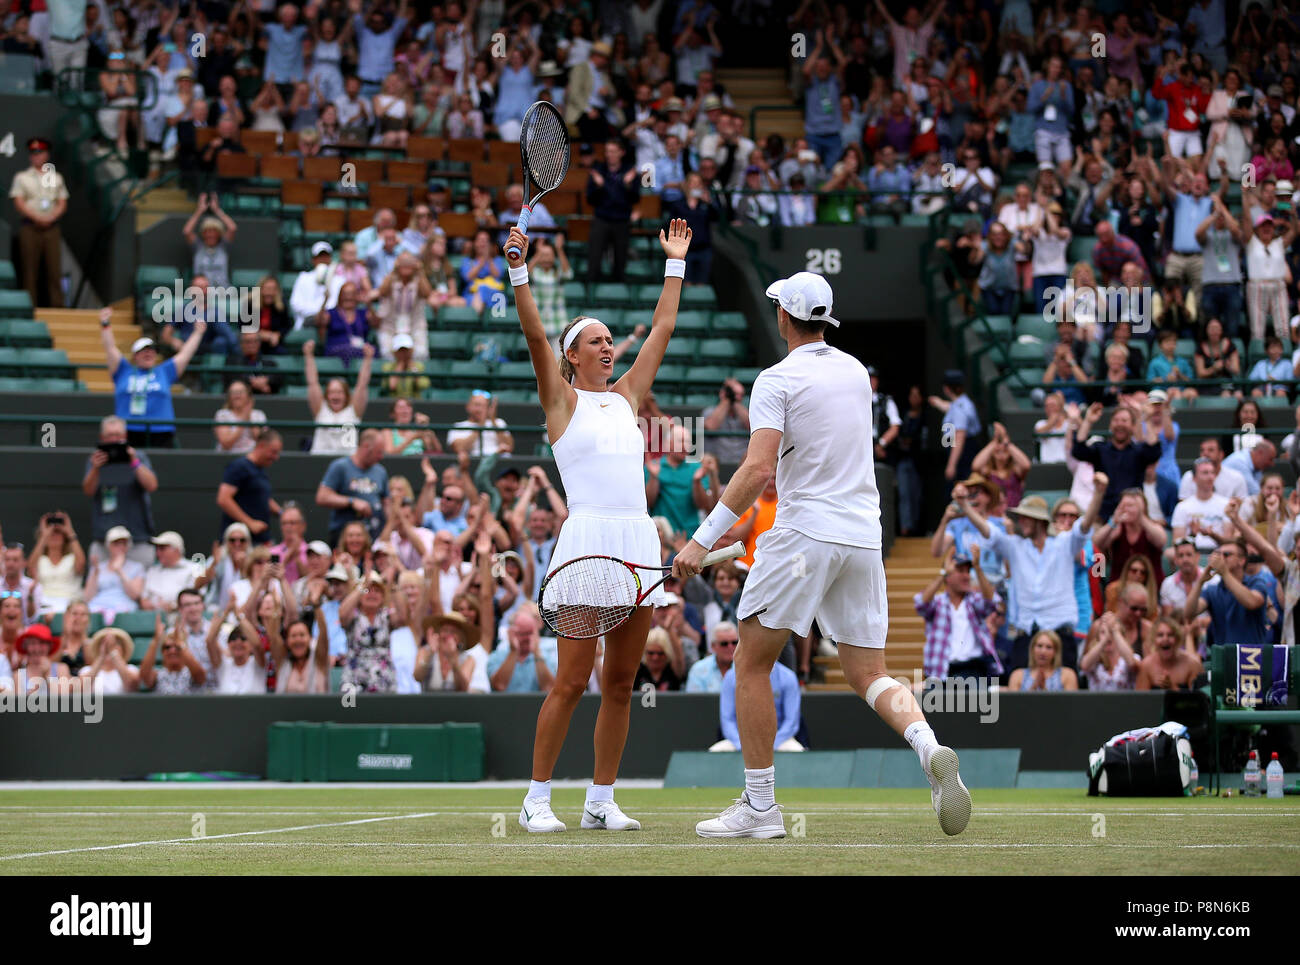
(142, 734)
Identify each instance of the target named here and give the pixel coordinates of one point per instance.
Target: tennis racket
(544, 149)
(592, 595)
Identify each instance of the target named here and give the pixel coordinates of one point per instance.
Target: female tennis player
(598, 451)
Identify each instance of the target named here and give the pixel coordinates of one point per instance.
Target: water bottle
(1251, 777)
(1195, 778)
(1274, 777)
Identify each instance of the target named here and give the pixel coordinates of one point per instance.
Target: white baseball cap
(403, 341)
(140, 344)
(669, 599)
(117, 533)
(321, 248)
(319, 547)
(170, 538)
(805, 295)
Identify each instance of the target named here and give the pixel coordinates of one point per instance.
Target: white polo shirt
(820, 399)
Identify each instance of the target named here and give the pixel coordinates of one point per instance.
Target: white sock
(539, 789)
(760, 787)
(920, 735)
(600, 792)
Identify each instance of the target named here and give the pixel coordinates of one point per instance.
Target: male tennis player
(810, 416)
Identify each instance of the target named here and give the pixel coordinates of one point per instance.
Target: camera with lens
(728, 392)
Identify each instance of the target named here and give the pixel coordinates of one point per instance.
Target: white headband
(573, 332)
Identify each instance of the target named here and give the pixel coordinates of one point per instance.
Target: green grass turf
(324, 830)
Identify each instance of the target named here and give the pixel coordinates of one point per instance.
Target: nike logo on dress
(604, 405)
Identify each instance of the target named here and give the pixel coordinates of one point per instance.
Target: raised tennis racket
(544, 149)
(592, 595)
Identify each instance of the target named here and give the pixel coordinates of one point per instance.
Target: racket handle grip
(731, 552)
(525, 215)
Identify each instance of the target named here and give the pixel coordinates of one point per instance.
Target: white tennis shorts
(796, 579)
(1185, 144)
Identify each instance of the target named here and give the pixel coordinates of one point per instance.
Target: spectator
(1123, 460)
(612, 190)
(337, 410)
(466, 437)
(142, 389)
(118, 481)
(1064, 375)
(75, 638)
(437, 269)
(961, 427)
(57, 565)
(293, 549)
(1167, 666)
(1268, 273)
(1216, 354)
(785, 692)
(998, 281)
(1227, 481)
(311, 291)
(1045, 670)
(245, 492)
(707, 674)
(1047, 264)
(730, 415)
(1187, 103)
(444, 662)
(679, 489)
(1274, 367)
(240, 663)
(16, 584)
(1185, 265)
(1052, 430)
(1092, 181)
(402, 297)
(518, 666)
(657, 670)
(1130, 533)
(957, 639)
(1004, 464)
(253, 366)
(549, 269)
(699, 208)
(413, 441)
(1165, 367)
(1176, 587)
(35, 670)
(481, 272)
(355, 487)
(210, 243)
(108, 669)
(1112, 251)
(115, 583)
(302, 660)
(382, 256)
(822, 96)
(164, 581)
(1051, 100)
(1202, 515)
(911, 38)
(181, 672)
(670, 171)
(41, 198)
(589, 95)
(344, 328)
(1042, 570)
(1252, 463)
(1108, 662)
(1236, 603)
(1273, 162)
(238, 408)
(369, 614)
(450, 515)
(1136, 571)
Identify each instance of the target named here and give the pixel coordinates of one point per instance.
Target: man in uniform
(41, 198)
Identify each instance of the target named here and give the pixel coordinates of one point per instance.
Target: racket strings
(545, 148)
(588, 597)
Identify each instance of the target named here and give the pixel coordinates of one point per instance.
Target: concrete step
(76, 331)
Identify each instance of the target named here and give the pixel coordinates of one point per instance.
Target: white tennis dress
(600, 457)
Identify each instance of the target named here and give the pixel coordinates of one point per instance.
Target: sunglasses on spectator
(6, 594)
(236, 539)
(1068, 512)
(454, 499)
(726, 643)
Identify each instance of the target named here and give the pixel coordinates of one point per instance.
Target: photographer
(729, 415)
(118, 480)
(57, 563)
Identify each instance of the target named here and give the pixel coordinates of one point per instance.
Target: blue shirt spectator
(357, 477)
(785, 691)
(821, 113)
(524, 644)
(962, 415)
(376, 46)
(1189, 212)
(284, 53)
(705, 676)
(1230, 621)
(1279, 369)
(670, 170)
(889, 180)
(1243, 461)
(145, 394)
(1052, 104)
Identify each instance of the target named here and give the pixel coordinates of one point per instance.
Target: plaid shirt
(1109, 260)
(938, 629)
(548, 291)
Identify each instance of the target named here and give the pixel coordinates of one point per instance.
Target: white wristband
(519, 276)
(716, 526)
(675, 268)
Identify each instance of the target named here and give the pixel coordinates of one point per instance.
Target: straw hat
(1032, 507)
(116, 635)
(436, 623)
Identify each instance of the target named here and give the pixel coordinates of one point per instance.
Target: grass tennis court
(345, 830)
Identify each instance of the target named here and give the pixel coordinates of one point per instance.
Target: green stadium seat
(517, 395)
(294, 391)
(25, 333)
(1025, 380)
(23, 386)
(647, 296)
(1273, 402)
(670, 375)
(47, 386)
(513, 346)
(517, 373)
(138, 623)
(708, 375)
(17, 73)
(15, 303)
(447, 345)
(692, 323)
(328, 367)
(148, 277)
(1081, 249)
(295, 340)
(681, 349)
(639, 270)
(1216, 402)
(729, 323)
(247, 277)
(458, 316)
(8, 277)
(1038, 327)
(444, 394)
(721, 350)
(1026, 351)
(615, 294)
(698, 400)
(699, 296)
(575, 295)
(1000, 325)
(50, 363)
(96, 624)
(746, 375)
(469, 372)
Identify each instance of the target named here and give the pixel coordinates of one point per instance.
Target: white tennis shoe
(607, 816)
(742, 821)
(948, 795)
(536, 815)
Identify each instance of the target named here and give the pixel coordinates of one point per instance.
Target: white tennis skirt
(633, 539)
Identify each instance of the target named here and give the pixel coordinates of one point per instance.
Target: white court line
(464, 810)
(803, 843)
(232, 834)
(107, 785)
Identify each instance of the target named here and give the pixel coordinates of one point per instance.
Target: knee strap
(878, 687)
